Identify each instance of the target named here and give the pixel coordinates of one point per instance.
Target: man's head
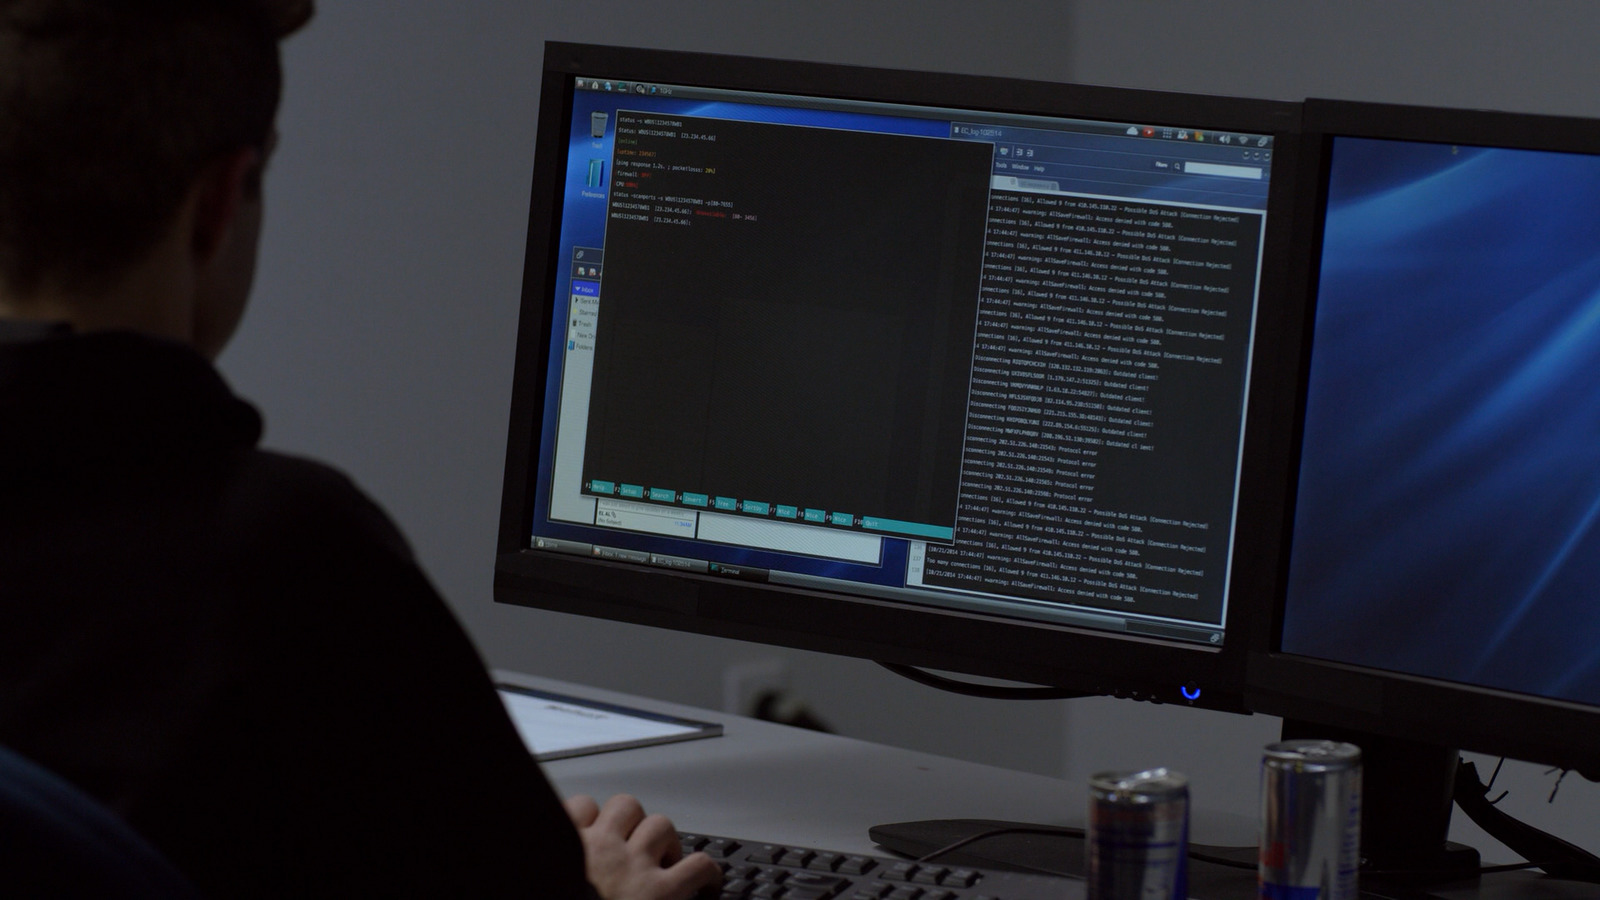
(109, 112)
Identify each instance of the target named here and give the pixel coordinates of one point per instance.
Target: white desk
(773, 783)
(791, 786)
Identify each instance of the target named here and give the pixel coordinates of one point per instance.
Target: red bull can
(1310, 821)
(1138, 833)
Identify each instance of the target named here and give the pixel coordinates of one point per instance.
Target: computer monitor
(935, 370)
(1438, 583)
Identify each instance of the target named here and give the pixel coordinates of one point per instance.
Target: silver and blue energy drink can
(1138, 835)
(1310, 821)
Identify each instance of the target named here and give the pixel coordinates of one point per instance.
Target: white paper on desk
(554, 727)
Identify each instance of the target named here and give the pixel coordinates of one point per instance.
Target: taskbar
(1015, 608)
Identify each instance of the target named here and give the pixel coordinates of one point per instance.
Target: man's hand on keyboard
(632, 856)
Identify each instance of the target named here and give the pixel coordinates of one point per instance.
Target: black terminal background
(1055, 537)
(803, 334)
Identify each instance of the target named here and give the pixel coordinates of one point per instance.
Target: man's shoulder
(288, 483)
(284, 497)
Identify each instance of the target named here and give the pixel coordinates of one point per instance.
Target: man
(231, 648)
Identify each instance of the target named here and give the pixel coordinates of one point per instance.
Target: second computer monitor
(1446, 528)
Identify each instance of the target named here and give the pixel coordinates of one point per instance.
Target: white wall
(1527, 57)
(381, 335)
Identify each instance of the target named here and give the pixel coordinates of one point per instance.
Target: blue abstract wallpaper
(1449, 494)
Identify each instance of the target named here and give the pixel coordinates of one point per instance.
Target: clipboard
(558, 726)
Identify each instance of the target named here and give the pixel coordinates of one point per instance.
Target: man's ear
(219, 192)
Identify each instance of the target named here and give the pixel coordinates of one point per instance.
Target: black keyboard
(776, 872)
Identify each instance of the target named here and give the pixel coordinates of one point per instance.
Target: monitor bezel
(1068, 657)
(1393, 704)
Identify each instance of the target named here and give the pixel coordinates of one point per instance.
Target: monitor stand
(1408, 792)
(1053, 851)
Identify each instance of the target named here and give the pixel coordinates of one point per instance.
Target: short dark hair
(109, 109)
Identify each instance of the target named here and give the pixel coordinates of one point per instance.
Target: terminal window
(787, 317)
(986, 362)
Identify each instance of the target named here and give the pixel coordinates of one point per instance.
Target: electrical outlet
(744, 683)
